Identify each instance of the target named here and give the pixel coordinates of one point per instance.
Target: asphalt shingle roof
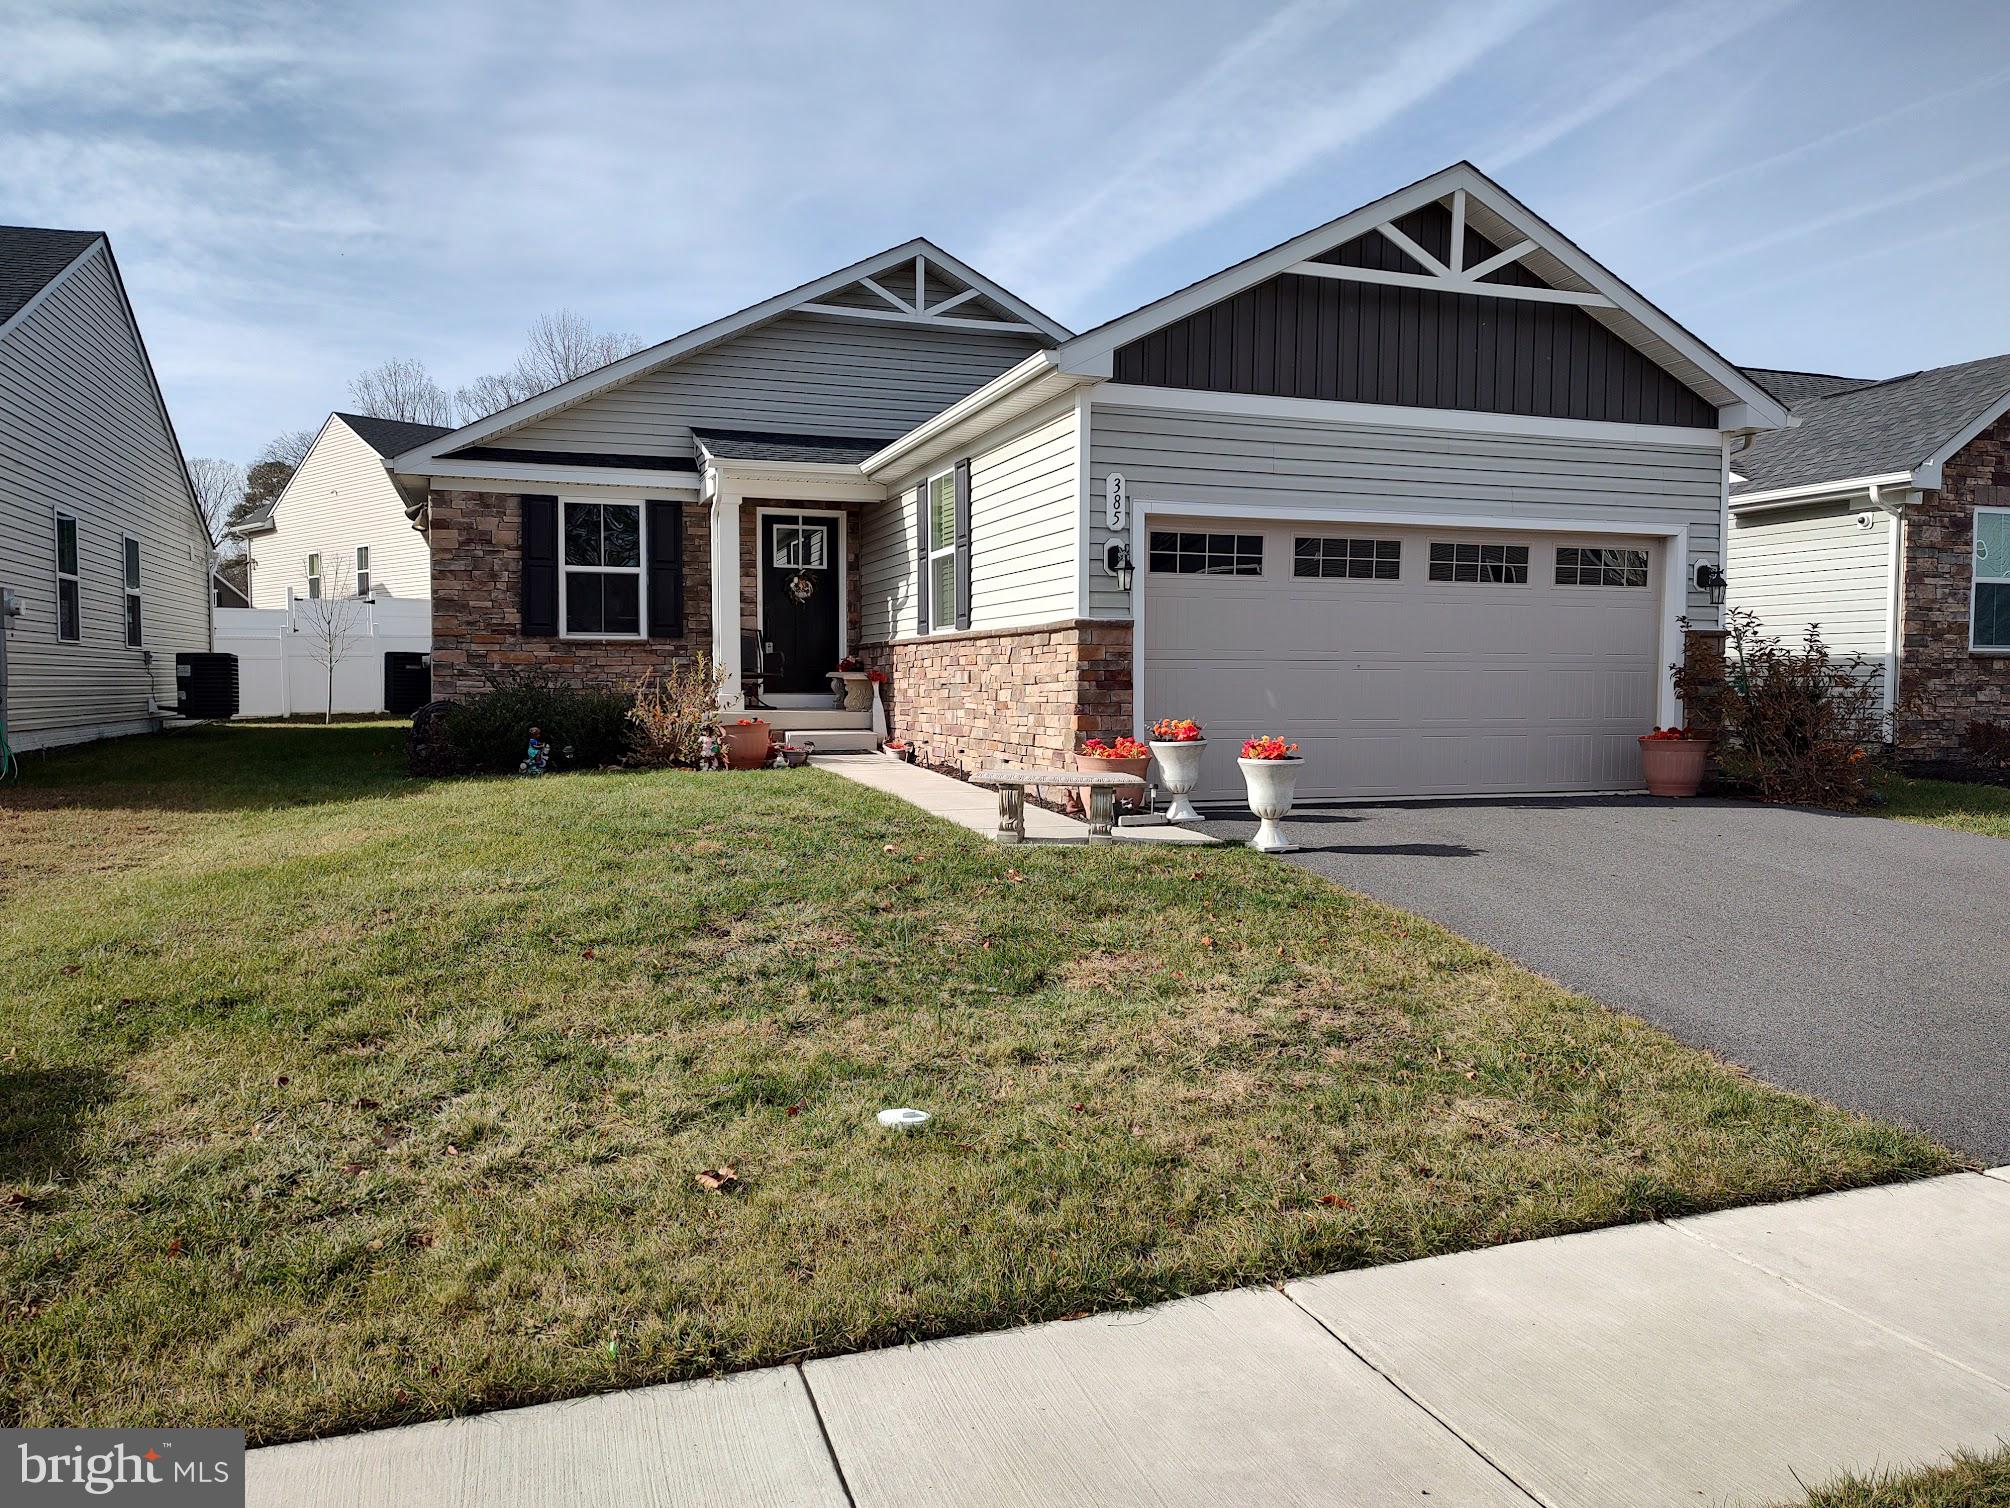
(30, 258)
(1871, 428)
(771, 445)
(390, 437)
(1791, 387)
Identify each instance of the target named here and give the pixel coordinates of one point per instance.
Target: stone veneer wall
(1943, 685)
(1018, 696)
(477, 553)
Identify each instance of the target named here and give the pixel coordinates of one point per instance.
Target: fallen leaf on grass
(174, 1247)
(73, 968)
(793, 1111)
(586, 952)
(1207, 942)
(368, 1105)
(1014, 876)
(719, 1180)
(1335, 1201)
(354, 1168)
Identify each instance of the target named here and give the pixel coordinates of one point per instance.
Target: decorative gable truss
(921, 291)
(1469, 263)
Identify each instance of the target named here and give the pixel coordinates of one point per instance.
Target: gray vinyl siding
(1022, 535)
(1815, 565)
(81, 430)
(801, 373)
(341, 497)
(1286, 465)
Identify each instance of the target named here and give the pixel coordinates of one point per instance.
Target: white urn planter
(1179, 772)
(1272, 783)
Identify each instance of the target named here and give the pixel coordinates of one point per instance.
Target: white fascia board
(1034, 368)
(1837, 490)
(497, 476)
(1395, 416)
(824, 479)
(419, 458)
(1966, 433)
(1093, 346)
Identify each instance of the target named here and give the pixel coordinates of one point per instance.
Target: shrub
(488, 732)
(1793, 723)
(1990, 744)
(672, 710)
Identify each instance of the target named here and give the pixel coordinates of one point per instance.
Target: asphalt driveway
(1860, 959)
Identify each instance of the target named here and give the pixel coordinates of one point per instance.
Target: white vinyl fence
(280, 668)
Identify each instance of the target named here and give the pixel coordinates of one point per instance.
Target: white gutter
(1846, 487)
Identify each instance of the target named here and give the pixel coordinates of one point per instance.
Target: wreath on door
(802, 586)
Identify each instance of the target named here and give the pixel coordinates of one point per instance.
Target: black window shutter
(540, 567)
(962, 544)
(666, 569)
(921, 576)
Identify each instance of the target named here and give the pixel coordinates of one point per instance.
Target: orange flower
(1123, 748)
(1182, 730)
(1268, 746)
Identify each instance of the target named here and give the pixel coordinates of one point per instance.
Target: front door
(801, 572)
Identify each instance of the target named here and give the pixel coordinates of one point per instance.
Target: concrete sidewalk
(1713, 1360)
(976, 808)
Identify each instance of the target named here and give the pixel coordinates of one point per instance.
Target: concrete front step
(833, 740)
(814, 717)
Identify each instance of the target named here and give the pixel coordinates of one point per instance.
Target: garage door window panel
(1466, 561)
(1197, 553)
(1578, 565)
(1348, 559)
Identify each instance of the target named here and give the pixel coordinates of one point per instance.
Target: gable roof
(32, 258)
(653, 358)
(390, 436)
(1900, 426)
(1791, 387)
(1554, 260)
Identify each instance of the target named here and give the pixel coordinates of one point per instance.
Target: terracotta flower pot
(1137, 766)
(745, 744)
(1273, 786)
(1673, 766)
(1179, 772)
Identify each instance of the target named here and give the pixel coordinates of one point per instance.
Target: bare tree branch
(401, 389)
(289, 449)
(333, 623)
(219, 489)
(557, 348)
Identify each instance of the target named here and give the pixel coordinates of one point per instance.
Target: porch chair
(753, 668)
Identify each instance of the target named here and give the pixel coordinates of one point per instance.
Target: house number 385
(1116, 502)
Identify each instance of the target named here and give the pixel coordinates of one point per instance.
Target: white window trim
(362, 578)
(76, 577)
(1975, 584)
(935, 623)
(839, 566)
(640, 570)
(133, 589)
(314, 577)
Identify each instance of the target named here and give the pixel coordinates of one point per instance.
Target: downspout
(1894, 605)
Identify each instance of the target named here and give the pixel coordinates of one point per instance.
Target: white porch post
(726, 589)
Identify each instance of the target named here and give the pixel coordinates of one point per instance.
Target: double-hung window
(1989, 604)
(362, 570)
(69, 600)
(600, 586)
(313, 576)
(135, 619)
(942, 550)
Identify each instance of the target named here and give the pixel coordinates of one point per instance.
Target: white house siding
(81, 430)
(1286, 465)
(1022, 534)
(1820, 565)
(341, 497)
(801, 373)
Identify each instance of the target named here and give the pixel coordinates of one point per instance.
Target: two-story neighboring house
(339, 523)
(104, 557)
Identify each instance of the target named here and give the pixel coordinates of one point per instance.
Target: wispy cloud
(1817, 271)
(1628, 66)
(1271, 108)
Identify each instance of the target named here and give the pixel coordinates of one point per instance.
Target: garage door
(1406, 661)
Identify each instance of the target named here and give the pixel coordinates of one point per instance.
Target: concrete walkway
(974, 807)
(1713, 1360)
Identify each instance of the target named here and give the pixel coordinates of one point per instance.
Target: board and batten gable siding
(81, 430)
(1300, 336)
(1798, 566)
(798, 374)
(1300, 465)
(341, 497)
(1023, 506)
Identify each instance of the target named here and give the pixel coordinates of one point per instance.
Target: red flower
(877, 677)
(1123, 748)
(1268, 746)
(1183, 730)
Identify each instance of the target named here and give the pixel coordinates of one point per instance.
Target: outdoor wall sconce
(1710, 579)
(1117, 562)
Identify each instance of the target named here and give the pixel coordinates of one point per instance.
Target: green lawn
(1948, 803)
(1967, 1481)
(330, 1098)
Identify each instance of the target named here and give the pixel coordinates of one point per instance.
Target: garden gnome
(537, 759)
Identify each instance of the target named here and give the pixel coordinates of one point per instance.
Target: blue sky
(297, 192)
